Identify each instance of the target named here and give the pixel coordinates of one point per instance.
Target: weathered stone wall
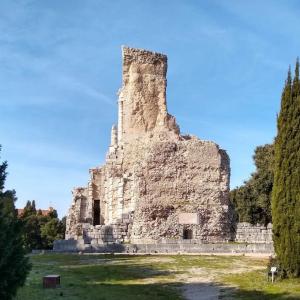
(165, 247)
(78, 211)
(247, 233)
(177, 176)
(153, 173)
(101, 235)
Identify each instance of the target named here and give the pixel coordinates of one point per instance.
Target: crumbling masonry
(156, 184)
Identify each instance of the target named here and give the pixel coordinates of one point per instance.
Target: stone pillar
(142, 99)
(114, 136)
(120, 198)
(110, 201)
(89, 209)
(120, 119)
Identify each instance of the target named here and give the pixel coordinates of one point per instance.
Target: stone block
(189, 218)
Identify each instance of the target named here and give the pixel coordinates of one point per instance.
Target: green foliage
(252, 200)
(286, 191)
(51, 231)
(14, 266)
(29, 209)
(31, 233)
(39, 231)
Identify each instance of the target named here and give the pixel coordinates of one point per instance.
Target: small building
(44, 212)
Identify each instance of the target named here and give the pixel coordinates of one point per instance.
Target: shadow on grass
(174, 291)
(212, 291)
(94, 279)
(113, 278)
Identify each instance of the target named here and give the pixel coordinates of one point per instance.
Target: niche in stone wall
(96, 212)
(82, 215)
(187, 234)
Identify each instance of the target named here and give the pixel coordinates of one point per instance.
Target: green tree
(32, 233)
(14, 265)
(252, 201)
(31, 227)
(51, 231)
(286, 190)
(29, 209)
(63, 226)
(39, 231)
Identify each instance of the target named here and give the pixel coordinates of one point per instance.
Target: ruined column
(142, 98)
(120, 119)
(114, 136)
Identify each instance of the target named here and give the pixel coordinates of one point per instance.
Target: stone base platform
(171, 248)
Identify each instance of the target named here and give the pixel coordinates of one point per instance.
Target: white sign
(189, 218)
(273, 269)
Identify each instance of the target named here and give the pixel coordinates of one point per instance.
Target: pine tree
(286, 189)
(14, 266)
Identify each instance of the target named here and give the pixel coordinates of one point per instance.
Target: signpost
(273, 271)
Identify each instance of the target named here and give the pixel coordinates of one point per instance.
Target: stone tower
(156, 184)
(142, 99)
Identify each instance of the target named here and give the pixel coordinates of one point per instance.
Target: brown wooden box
(51, 281)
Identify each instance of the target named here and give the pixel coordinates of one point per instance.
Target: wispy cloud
(83, 88)
(49, 154)
(35, 55)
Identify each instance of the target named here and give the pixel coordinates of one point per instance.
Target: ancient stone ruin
(156, 184)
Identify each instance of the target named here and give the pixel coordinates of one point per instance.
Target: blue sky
(61, 69)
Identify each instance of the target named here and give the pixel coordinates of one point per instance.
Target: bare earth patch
(201, 283)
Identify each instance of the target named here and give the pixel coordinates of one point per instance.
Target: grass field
(113, 277)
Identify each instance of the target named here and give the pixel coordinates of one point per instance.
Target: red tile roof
(45, 212)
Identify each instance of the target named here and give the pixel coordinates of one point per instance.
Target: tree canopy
(40, 231)
(252, 200)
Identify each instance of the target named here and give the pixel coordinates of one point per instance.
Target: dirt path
(198, 285)
(201, 283)
(203, 289)
(200, 292)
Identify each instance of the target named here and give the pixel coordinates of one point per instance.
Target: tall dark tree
(32, 233)
(252, 200)
(14, 265)
(29, 209)
(286, 190)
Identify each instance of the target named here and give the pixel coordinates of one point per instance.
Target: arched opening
(187, 234)
(96, 212)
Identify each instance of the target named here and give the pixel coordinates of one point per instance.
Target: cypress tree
(14, 265)
(286, 188)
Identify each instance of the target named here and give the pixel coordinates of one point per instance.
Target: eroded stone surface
(152, 173)
(248, 233)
